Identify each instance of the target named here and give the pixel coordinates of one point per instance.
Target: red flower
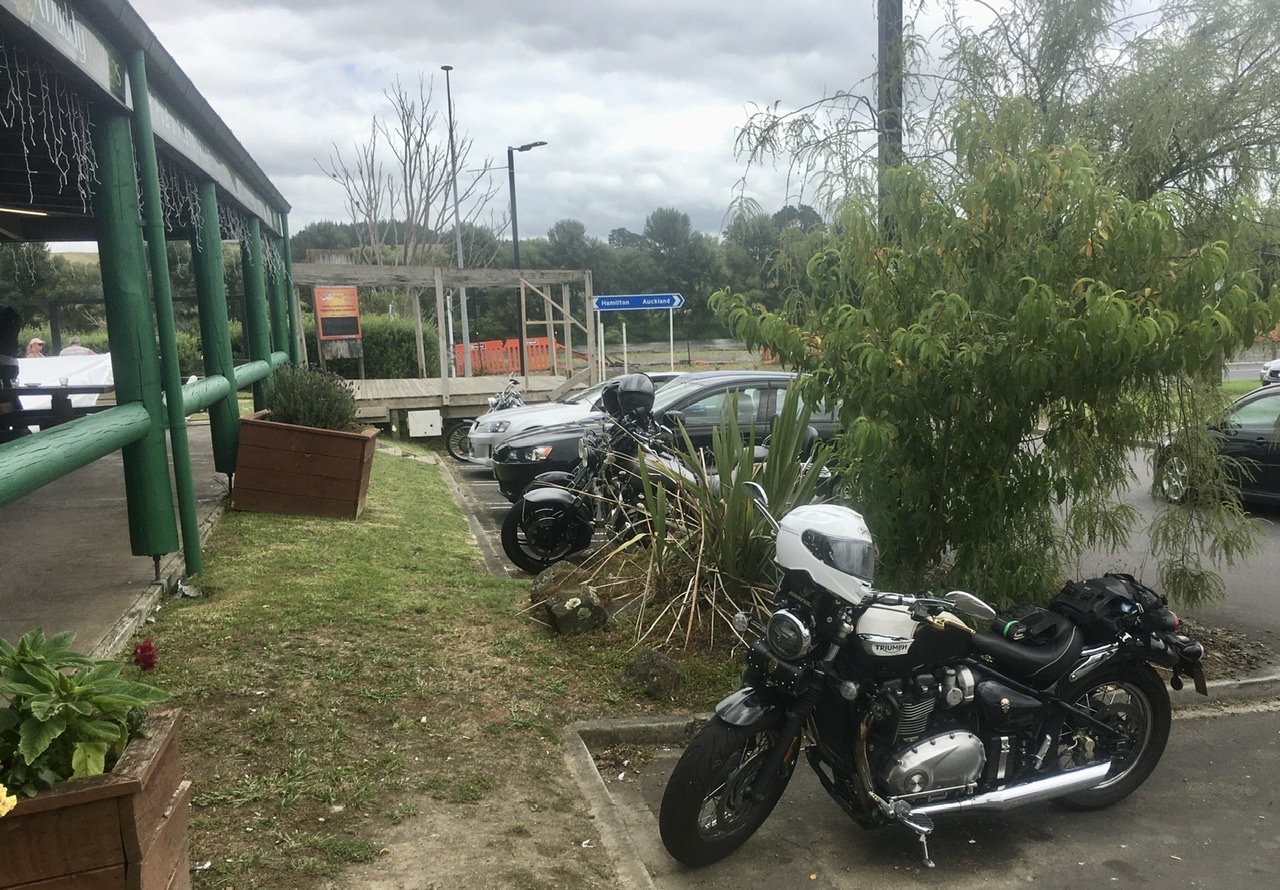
(144, 654)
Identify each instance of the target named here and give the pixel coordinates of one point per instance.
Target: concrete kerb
(582, 739)
(173, 568)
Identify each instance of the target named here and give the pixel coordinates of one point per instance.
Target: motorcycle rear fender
(558, 497)
(748, 707)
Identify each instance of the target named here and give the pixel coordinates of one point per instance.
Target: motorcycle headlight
(494, 426)
(788, 636)
(536, 453)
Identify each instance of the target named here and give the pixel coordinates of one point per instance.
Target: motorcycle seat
(1039, 666)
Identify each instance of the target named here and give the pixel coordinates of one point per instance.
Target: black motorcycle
(906, 712)
(559, 513)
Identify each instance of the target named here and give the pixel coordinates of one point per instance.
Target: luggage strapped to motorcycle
(1100, 606)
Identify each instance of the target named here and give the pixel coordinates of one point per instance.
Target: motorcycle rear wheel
(1132, 699)
(534, 538)
(707, 811)
(457, 440)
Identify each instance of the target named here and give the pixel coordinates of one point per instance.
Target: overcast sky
(639, 102)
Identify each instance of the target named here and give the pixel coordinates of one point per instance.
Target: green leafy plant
(67, 715)
(1002, 348)
(708, 532)
(309, 396)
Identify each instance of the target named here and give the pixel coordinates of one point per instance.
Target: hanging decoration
(51, 122)
(180, 200)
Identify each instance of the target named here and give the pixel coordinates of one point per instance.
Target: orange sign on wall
(337, 313)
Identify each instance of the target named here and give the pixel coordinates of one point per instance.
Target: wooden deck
(468, 396)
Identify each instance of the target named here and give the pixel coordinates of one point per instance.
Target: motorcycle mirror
(761, 500)
(970, 605)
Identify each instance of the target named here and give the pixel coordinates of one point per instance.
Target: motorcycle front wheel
(1132, 701)
(457, 440)
(707, 811)
(535, 537)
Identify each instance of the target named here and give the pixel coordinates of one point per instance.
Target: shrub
(308, 396)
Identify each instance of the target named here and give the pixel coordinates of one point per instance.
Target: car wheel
(1171, 479)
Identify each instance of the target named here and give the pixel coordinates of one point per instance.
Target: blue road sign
(637, 301)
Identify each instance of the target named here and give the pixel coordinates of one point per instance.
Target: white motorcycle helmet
(832, 544)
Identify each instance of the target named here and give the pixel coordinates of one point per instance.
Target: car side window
(706, 410)
(819, 415)
(1259, 417)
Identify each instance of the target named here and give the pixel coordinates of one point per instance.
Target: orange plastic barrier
(496, 357)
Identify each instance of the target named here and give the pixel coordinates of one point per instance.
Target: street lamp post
(457, 234)
(515, 239)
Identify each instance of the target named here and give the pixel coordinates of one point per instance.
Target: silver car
(1270, 372)
(490, 429)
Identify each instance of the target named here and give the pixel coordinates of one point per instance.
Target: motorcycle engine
(941, 762)
(923, 758)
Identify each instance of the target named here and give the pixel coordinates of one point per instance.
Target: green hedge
(390, 349)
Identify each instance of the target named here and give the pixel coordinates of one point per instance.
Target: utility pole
(457, 233)
(889, 80)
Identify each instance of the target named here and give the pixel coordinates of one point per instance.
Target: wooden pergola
(419, 278)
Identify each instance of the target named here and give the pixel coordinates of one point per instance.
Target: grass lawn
(343, 678)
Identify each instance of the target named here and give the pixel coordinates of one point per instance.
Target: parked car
(1249, 436)
(698, 397)
(1270, 372)
(490, 429)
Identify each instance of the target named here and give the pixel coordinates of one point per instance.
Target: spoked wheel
(1171, 479)
(535, 537)
(1130, 699)
(707, 810)
(457, 440)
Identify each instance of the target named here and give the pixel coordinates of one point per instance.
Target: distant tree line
(759, 254)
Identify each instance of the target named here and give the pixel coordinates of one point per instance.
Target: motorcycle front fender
(573, 503)
(554, 479)
(748, 706)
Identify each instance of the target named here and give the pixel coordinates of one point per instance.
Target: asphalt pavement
(1208, 817)
(65, 558)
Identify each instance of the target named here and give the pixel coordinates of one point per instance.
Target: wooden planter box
(125, 829)
(300, 470)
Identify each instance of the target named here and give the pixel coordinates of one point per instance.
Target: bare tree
(402, 206)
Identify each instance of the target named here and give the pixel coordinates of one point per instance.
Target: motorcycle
(457, 431)
(906, 712)
(559, 513)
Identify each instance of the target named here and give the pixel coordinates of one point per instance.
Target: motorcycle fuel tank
(889, 639)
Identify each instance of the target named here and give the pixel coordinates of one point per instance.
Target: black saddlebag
(1102, 607)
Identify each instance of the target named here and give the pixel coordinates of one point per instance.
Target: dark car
(698, 397)
(1249, 436)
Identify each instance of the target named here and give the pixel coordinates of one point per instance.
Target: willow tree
(1001, 356)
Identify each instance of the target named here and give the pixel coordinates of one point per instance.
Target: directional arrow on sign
(626, 302)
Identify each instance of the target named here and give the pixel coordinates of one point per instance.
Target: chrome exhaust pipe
(1017, 795)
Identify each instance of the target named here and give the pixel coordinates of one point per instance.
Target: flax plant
(712, 552)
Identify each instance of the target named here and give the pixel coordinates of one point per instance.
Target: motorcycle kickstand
(920, 823)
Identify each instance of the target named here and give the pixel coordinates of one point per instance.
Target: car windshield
(588, 395)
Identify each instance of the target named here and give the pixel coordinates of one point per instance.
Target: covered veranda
(104, 139)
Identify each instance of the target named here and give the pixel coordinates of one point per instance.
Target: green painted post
(162, 291)
(215, 332)
(291, 295)
(257, 335)
(134, 361)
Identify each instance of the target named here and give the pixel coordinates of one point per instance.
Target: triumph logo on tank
(889, 648)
